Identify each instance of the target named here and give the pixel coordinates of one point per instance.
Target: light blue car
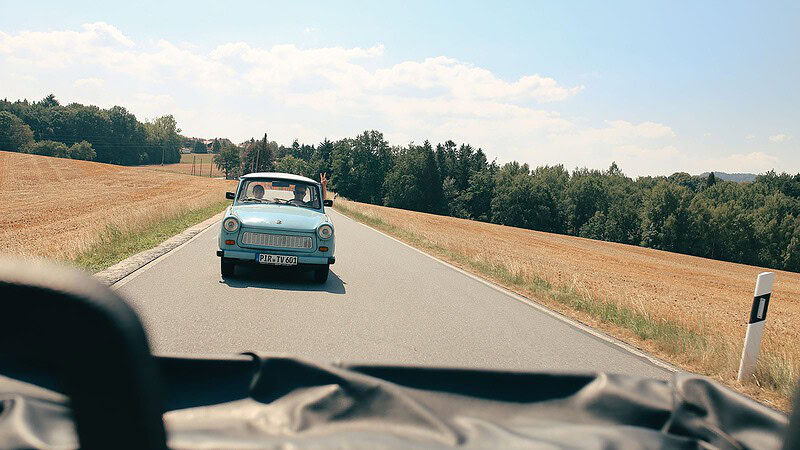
(277, 219)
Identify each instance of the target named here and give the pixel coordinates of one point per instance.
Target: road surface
(383, 303)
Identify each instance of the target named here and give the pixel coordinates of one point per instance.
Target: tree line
(753, 223)
(79, 131)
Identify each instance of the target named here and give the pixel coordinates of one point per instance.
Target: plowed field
(711, 298)
(56, 208)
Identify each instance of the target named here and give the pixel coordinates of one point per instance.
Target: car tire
(321, 274)
(226, 267)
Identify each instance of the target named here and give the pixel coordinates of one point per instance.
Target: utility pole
(265, 149)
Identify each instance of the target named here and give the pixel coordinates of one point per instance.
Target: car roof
(279, 175)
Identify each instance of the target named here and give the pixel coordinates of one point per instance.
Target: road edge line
(196, 231)
(555, 314)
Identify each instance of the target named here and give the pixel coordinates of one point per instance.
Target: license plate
(277, 260)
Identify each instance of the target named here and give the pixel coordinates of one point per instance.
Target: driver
(299, 194)
(301, 189)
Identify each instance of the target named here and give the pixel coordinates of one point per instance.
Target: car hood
(278, 216)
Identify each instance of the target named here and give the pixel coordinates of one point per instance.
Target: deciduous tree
(15, 136)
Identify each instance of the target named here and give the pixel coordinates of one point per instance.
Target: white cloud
(240, 90)
(278, 71)
(91, 82)
(669, 159)
(466, 81)
(778, 138)
(750, 136)
(55, 49)
(102, 30)
(751, 162)
(616, 132)
(150, 106)
(653, 153)
(309, 30)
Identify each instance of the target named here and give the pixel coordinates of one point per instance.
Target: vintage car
(277, 219)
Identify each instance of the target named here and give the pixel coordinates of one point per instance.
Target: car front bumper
(252, 256)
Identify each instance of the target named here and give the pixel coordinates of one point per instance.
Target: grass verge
(115, 245)
(702, 351)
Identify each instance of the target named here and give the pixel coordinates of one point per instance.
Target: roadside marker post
(755, 327)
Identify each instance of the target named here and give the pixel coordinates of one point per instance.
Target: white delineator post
(755, 327)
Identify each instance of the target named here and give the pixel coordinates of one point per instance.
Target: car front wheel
(226, 267)
(321, 274)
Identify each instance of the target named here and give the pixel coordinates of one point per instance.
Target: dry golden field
(710, 298)
(56, 208)
(203, 164)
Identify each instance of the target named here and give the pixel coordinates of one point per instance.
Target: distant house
(185, 150)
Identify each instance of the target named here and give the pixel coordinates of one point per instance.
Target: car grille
(276, 240)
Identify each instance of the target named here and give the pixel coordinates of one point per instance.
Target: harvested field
(708, 299)
(57, 208)
(202, 163)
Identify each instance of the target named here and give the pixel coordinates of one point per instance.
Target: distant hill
(737, 177)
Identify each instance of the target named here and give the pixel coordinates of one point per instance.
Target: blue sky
(658, 87)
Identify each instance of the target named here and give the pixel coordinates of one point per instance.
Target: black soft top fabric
(281, 402)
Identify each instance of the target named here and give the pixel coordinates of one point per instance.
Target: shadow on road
(282, 279)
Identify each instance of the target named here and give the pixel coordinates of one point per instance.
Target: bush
(50, 148)
(82, 150)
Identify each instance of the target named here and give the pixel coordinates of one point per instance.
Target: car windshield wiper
(281, 201)
(254, 199)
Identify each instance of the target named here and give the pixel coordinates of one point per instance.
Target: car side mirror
(230, 195)
(328, 202)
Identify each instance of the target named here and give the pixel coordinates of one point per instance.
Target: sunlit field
(192, 164)
(57, 208)
(690, 311)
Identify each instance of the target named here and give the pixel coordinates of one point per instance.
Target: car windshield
(283, 192)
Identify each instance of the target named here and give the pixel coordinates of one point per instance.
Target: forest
(752, 223)
(78, 131)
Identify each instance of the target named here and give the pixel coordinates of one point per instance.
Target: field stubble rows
(687, 310)
(59, 208)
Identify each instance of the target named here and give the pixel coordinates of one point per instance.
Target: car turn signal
(323, 249)
(230, 242)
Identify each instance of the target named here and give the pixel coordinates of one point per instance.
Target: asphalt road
(384, 303)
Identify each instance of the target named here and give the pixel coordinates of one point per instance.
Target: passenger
(258, 191)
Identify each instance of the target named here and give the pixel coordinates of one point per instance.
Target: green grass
(710, 353)
(778, 372)
(117, 245)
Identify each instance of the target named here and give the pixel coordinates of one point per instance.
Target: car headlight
(231, 224)
(325, 231)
